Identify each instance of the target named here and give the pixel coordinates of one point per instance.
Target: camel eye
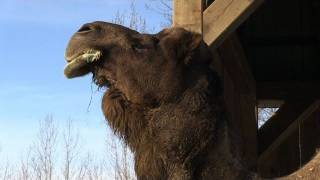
(155, 40)
(139, 48)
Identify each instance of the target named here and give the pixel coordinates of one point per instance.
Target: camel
(162, 99)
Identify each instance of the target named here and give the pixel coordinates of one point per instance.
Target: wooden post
(188, 14)
(218, 21)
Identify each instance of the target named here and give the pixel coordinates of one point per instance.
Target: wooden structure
(268, 55)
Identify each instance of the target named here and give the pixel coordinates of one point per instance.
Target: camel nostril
(85, 28)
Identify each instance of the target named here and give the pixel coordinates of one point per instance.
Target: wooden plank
(188, 14)
(288, 90)
(222, 17)
(289, 130)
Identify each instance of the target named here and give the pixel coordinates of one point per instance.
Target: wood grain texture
(188, 14)
(222, 17)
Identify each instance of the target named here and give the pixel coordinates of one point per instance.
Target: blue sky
(33, 37)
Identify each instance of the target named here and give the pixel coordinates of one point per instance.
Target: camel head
(145, 68)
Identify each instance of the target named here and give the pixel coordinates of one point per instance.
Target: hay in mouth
(79, 65)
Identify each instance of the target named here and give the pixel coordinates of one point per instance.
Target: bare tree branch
(162, 7)
(71, 140)
(264, 114)
(43, 150)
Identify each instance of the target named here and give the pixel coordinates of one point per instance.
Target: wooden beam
(287, 90)
(289, 113)
(292, 127)
(222, 18)
(188, 14)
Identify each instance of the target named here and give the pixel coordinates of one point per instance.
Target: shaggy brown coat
(162, 99)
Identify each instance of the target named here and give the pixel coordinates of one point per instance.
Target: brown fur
(163, 100)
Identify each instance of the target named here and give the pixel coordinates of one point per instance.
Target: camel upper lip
(89, 55)
(70, 59)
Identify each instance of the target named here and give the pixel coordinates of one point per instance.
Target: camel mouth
(79, 65)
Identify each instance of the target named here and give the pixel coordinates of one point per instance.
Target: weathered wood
(240, 99)
(188, 14)
(287, 90)
(276, 133)
(281, 41)
(222, 17)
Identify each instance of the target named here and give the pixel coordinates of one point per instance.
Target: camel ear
(196, 40)
(179, 43)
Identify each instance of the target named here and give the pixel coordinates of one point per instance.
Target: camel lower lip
(76, 68)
